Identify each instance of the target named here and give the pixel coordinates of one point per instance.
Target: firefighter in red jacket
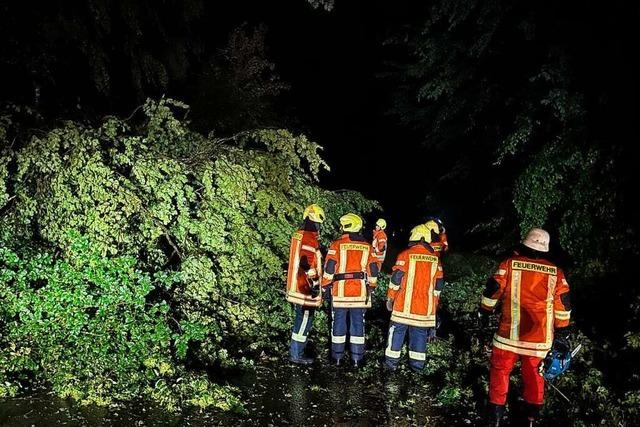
(535, 311)
(412, 298)
(380, 241)
(351, 272)
(441, 244)
(303, 280)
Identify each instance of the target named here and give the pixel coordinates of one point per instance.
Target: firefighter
(535, 312)
(303, 280)
(380, 241)
(351, 273)
(441, 244)
(412, 298)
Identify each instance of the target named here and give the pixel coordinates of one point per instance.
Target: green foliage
(208, 219)
(84, 326)
(465, 278)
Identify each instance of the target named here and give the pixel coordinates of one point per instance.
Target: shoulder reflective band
(562, 315)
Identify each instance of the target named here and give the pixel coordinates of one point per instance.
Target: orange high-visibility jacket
(379, 245)
(305, 264)
(350, 265)
(415, 286)
(535, 300)
(442, 245)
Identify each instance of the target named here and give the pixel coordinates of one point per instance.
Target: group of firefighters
(532, 291)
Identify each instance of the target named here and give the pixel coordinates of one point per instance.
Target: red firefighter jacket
(350, 268)
(305, 265)
(535, 300)
(379, 245)
(416, 283)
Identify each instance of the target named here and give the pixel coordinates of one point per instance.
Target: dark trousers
(417, 345)
(301, 328)
(351, 320)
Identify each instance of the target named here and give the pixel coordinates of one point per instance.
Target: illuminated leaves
(183, 241)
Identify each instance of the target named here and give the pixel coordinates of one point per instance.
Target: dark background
(336, 65)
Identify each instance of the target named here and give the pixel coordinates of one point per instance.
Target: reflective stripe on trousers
(301, 327)
(355, 319)
(417, 345)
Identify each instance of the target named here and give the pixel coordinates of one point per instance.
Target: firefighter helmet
(314, 212)
(381, 223)
(432, 226)
(537, 239)
(420, 232)
(351, 223)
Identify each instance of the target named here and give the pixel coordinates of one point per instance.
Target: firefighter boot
(301, 360)
(532, 414)
(495, 414)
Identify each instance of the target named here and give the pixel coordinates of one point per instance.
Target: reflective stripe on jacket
(415, 286)
(350, 256)
(305, 263)
(535, 300)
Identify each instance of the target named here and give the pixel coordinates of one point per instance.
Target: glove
(315, 287)
(561, 342)
(483, 318)
(485, 334)
(389, 304)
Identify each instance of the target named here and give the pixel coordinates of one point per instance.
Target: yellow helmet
(314, 212)
(432, 225)
(420, 232)
(351, 222)
(381, 223)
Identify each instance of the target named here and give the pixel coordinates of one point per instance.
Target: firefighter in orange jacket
(351, 272)
(534, 318)
(380, 241)
(441, 244)
(412, 298)
(303, 280)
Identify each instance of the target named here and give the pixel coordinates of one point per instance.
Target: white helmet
(537, 239)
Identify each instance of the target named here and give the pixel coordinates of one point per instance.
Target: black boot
(301, 360)
(495, 413)
(336, 362)
(531, 413)
(357, 364)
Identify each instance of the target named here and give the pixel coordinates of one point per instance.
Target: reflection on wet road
(275, 394)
